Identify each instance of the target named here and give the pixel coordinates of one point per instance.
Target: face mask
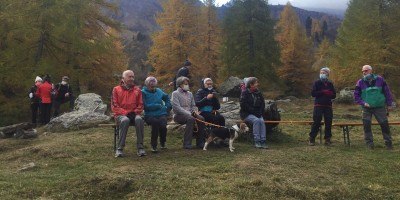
(185, 87)
(210, 88)
(367, 77)
(64, 83)
(323, 76)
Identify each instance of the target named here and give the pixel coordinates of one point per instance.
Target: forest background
(93, 41)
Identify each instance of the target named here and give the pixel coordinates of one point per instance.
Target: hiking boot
(389, 145)
(328, 141)
(187, 146)
(370, 146)
(163, 146)
(264, 144)
(311, 141)
(154, 149)
(119, 153)
(141, 153)
(258, 144)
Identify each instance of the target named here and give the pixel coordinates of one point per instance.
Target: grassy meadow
(80, 165)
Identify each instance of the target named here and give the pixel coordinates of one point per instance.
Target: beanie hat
(65, 78)
(187, 63)
(38, 79)
(325, 69)
(180, 80)
(151, 80)
(206, 79)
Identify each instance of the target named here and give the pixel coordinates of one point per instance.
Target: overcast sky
(331, 4)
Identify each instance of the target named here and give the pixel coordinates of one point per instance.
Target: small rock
(28, 166)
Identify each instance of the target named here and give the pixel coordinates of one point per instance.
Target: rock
(8, 131)
(89, 112)
(25, 134)
(90, 102)
(231, 87)
(346, 96)
(28, 166)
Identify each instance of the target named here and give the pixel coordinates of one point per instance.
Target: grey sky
(330, 4)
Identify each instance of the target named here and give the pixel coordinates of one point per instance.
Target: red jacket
(44, 92)
(125, 101)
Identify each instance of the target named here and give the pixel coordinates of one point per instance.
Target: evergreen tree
(368, 35)
(295, 52)
(308, 26)
(249, 48)
(178, 39)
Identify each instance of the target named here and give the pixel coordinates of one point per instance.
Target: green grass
(80, 165)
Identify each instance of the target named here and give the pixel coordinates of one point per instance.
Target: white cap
(38, 79)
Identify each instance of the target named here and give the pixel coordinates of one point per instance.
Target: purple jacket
(363, 86)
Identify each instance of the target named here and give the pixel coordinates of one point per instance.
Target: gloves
(327, 93)
(31, 95)
(131, 117)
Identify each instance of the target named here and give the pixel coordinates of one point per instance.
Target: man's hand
(389, 108)
(67, 94)
(210, 96)
(366, 105)
(171, 83)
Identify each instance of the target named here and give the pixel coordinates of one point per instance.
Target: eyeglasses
(365, 70)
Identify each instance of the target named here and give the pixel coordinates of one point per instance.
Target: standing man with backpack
(63, 94)
(183, 71)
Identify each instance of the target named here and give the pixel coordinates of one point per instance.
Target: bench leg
(346, 135)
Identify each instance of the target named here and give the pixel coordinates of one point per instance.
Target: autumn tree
(59, 38)
(368, 35)
(249, 47)
(295, 52)
(177, 40)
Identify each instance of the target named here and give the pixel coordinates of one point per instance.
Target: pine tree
(295, 52)
(178, 39)
(249, 47)
(368, 35)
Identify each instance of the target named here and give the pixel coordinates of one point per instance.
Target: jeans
(259, 131)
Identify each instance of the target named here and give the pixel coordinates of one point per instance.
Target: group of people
(371, 92)
(44, 96)
(194, 111)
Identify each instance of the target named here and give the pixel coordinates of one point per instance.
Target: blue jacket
(156, 103)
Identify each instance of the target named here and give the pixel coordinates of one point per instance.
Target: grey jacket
(183, 102)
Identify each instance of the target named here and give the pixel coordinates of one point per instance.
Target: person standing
(252, 108)
(44, 93)
(183, 71)
(185, 112)
(323, 92)
(157, 106)
(373, 94)
(127, 106)
(63, 94)
(35, 100)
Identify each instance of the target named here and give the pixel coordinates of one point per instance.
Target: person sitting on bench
(127, 105)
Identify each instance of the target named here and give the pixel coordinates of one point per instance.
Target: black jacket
(202, 101)
(251, 103)
(34, 99)
(61, 90)
(317, 91)
(183, 71)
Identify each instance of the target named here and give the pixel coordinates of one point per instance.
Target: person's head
(183, 82)
(252, 83)
(187, 63)
(64, 80)
(38, 81)
(367, 71)
(324, 73)
(208, 83)
(151, 83)
(47, 78)
(128, 77)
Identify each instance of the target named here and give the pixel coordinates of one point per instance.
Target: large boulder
(89, 112)
(231, 87)
(345, 96)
